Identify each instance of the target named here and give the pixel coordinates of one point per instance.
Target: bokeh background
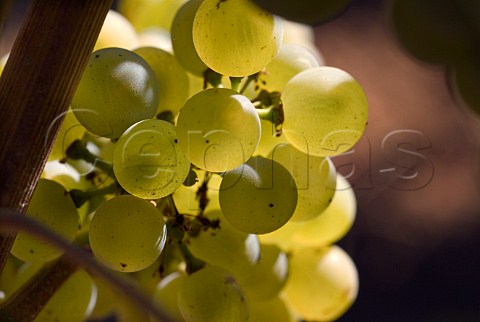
(416, 175)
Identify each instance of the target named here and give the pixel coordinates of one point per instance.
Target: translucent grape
(172, 78)
(53, 207)
(268, 277)
(269, 139)
(270, 310)
(150, 13)
(70, 130)
(332, 224)
(127, 233)
(259, 196)
(315, 178)
(325, 110)
(226, 247)
(311, 12)
(290, 60)
(235, 38)
(182, 38)
(166, 294)
(218, 129)
(73, 302)
(303, 35)
(147, 161)
(211, 294)
(116, 31)
(117, 89)
(325, 229)
(322, 283)
(155, 37)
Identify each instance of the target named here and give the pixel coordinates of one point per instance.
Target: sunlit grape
(259, 196)
(226, 246)
(219, 129)
(322, 283)
(211, 294)
(53, 207)
(118, 88)
(326, 111)
(235, 38)
(147, 160)
(116, 31)
(127, 233)
(172, 78)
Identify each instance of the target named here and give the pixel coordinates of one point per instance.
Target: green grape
(325, 229)
(303, 35)
(182, 38)
(155, 37)
(322, 283)
(436, 31)
(270, 310)
(219, 129)
(166, 295)
(69, 178)
(269, 139)
(290, 60)
(187, 199)
(127, 233)
(150, 13)
(325, 110)
(332, 224)
(116, 31)
(147, 161)
(235, 38)
(172, 78)
(70, 130)
(211, 294)
(73, 302)
(51, 206)
(268, 277)
(117, 89)
(315, 178)
(311, 12)
(226, 247)
(259, 196)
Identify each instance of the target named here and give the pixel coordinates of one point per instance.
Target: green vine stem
(37, 85)
(12, 221)
(78, 151)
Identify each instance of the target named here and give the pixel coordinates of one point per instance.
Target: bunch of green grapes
(204, 174)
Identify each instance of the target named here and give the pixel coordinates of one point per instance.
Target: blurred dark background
(416, 239)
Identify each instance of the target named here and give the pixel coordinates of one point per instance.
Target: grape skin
(147, 160)
(235, 38)
(218, 129)
(127, 234)
(259, 196)
(117, 89)
(211, 294)
(326, 111)
(54, 208)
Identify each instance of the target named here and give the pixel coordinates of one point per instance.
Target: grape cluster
(202, 170)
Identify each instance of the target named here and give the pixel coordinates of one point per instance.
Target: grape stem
(250, 79)
(79, 197)
(211, 77)
(235, 83)
(12, 221)
(78, 151)
(193, 264)
(26, 303)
